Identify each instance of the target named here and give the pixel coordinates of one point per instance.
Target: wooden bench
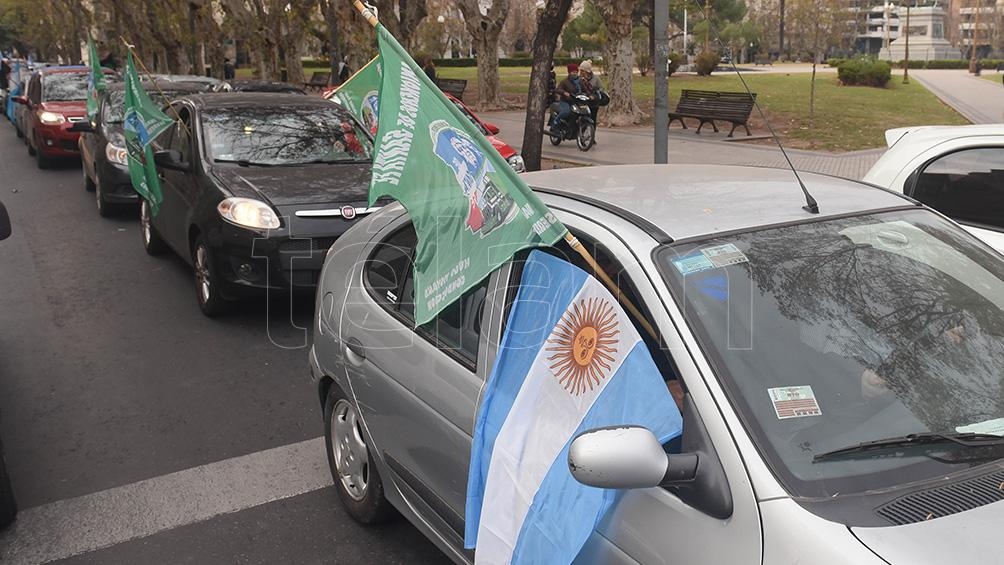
(764, 60)
(318, 81)
(706, 106)
(452, 86)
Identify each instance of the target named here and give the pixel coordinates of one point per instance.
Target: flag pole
(146, 71)
(369, 13)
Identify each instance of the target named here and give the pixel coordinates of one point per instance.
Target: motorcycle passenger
(591, 86)
(566, 91)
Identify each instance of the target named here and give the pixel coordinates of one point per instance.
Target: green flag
(470, 210)
(96, 82)
(360, 95)
(143, 121)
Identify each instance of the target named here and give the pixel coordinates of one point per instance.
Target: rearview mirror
(626, 457)
(82, 127)
(492, 128)
(170, 159)
(4, 223)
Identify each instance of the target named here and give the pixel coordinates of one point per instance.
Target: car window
(180, 140)
(966, 185)
(64, 86)
(390, 278)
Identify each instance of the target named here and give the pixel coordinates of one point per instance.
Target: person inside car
(566, 91)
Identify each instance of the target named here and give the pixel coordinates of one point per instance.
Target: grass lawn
(992, 76)
(846, 118)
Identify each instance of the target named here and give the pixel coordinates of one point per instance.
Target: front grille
(307, 245)
(74, 120)
(67, 145)
(944, 501)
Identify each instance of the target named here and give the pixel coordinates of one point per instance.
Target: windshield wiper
(244, 162)
(966, 440)
(325, 162)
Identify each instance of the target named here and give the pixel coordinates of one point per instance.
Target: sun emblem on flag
(584, 344)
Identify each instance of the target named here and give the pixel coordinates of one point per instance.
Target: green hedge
(864, 72)
(504, 61)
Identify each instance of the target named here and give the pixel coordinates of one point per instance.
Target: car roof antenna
(810, 202)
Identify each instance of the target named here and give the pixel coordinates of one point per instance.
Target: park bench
(764, 60)
(706, 106)
(318, 81)
(452, 86)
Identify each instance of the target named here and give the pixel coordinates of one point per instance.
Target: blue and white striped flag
(570, 360)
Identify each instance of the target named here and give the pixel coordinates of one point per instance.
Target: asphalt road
(139, 431)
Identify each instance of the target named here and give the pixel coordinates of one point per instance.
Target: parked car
(491, 131)
(957, 170)
(102, 143)
(209, 84)
(8, 506)
(55, 100)
(840, 372)
(259, 86)
(256, 188)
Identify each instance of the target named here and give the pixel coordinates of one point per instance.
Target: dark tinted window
(113, 110)
(283, 135)
(64, 86)
(966, 185)
(180, 141)
(389, 265)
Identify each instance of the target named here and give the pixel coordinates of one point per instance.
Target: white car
(957, 170)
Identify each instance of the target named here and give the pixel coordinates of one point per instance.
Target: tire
(8, 506)
(152, 242)
(364, 500)
(42, 161)
(88, 183)
(207, 280)
(31, 150)
(105, 209)
(587, 135)
(18, 132)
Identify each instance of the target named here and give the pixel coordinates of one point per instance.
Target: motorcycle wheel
(587, 136)
(555, 140)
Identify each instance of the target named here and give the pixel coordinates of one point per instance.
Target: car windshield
(831, 333)
(463, 109)
(283, 135)
(64, 86)
(113, 110)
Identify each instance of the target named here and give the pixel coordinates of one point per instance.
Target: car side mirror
(170, 159)
(82, 127)
(627, 457)
(492, 128)
(4, 223)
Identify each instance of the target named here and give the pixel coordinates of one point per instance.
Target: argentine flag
(570, 360)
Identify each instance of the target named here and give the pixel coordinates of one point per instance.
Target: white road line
(78, 525)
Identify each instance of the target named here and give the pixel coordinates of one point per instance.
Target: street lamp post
(906, 48)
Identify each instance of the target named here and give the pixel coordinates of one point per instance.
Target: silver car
(840, 374)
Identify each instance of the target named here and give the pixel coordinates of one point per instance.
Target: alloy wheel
(349, 448)
(144, 220)
(202, 276)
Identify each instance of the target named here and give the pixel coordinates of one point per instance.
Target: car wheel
(207, 281)
(88, 183)
(587, 136)
(152, 242)
(18, 132)
(352, 468)
(8, 506)
(105, 208)
(31, 150)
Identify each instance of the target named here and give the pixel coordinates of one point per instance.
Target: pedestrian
(430, 68)
(229, 71)
(343, 69)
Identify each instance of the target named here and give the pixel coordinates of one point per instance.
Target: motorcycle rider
(591, 86)
(566, 91)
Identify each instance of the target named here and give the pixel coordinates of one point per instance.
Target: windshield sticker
(794, 402)
(724, 255)
(994, 427)
(693, 264)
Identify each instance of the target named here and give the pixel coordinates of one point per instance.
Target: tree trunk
(618, 60)
(549, 25)
(489, 86)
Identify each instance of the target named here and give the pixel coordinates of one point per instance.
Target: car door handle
(355, 351)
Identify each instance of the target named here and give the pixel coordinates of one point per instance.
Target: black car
(259, 86)
(8, 508)
(102, 142)
(256, 187)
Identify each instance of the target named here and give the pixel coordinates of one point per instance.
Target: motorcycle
(579, 126)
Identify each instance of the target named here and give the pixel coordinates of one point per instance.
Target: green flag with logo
(96, 82)
(360, 95)
(143, 121)
(471, 211)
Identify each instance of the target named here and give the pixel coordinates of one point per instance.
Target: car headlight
(248, 213)
(51, 118)
(517, 164)
(116, 154)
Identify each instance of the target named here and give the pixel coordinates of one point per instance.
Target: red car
(487, 129)
(56, 98)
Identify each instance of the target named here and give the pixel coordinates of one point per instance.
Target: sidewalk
(635, 146)
(980, 101)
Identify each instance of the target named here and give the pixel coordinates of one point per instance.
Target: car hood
(972, 536)
(66, 107)
(303, 184)
(504, 149)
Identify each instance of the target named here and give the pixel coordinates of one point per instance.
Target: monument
(927, 37)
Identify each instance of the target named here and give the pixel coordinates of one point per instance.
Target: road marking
(78, 525)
